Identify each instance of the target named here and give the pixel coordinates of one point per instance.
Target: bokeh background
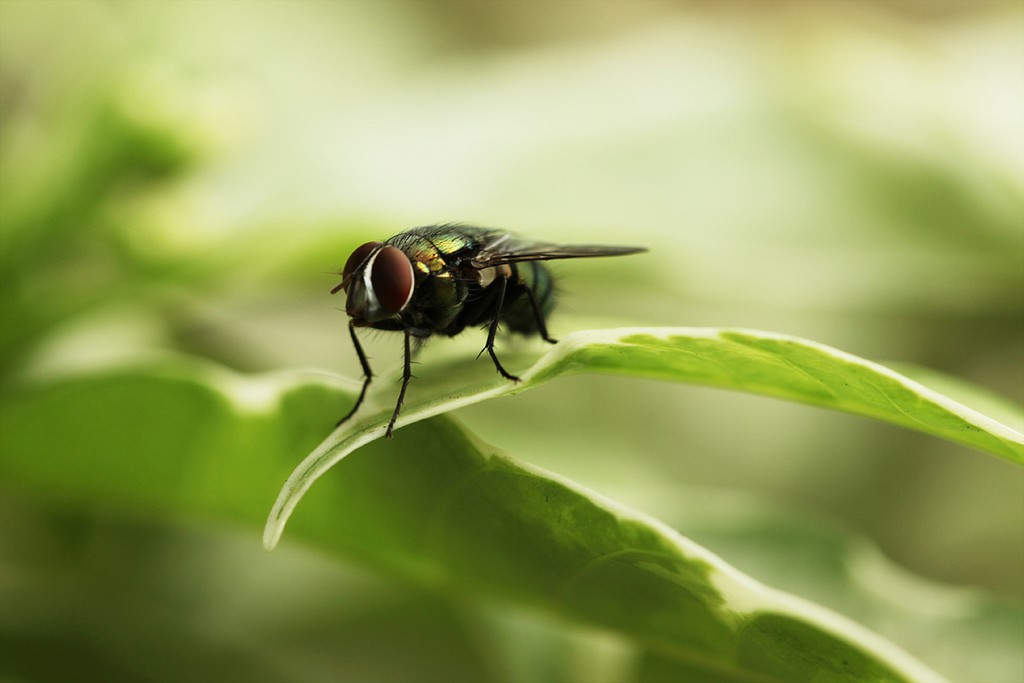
(189, 176)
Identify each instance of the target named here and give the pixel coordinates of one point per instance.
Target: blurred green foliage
(185, 176)
(438, 508)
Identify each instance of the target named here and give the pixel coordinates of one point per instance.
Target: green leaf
(757, 362)
(437, 507)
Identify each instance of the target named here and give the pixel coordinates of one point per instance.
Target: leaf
(436, 507)
(757, 362)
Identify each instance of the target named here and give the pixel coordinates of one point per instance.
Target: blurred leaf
(91, 593)
(826, 564)
(65, 229)
(434, 506)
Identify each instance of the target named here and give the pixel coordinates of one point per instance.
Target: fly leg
(489, 346)
(539, 316)
(367, 374)
(406, 376)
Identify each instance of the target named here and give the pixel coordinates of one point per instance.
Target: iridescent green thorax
(438, 256)
(454, 242)
(428, 258)
(436, 247)
(453, 292)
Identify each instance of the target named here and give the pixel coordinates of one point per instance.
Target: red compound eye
(392, 279)
(357, 259)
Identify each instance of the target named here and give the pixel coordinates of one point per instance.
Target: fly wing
(506, 248)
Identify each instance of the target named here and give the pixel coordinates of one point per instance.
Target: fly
(441, 279)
